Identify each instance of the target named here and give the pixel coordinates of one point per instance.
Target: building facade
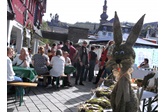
(23, 30)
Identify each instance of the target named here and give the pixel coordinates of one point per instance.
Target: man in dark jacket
(83, 63)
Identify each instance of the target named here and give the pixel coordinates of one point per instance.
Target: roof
(76, 27)
(58, 29)
(140, 41)
(54, 35)
(125, 36)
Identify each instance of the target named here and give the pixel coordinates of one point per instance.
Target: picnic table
(27, 72)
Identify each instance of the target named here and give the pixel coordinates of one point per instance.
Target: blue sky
(72, 11)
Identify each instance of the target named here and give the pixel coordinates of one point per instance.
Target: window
(30, 5)
(104, 33)
(109, 34)
(27, 3)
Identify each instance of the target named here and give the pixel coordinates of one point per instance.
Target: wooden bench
(57, 78)
(19, 88)
(23, 84)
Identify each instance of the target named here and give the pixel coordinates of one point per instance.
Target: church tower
(104, 15)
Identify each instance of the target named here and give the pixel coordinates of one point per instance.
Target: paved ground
(42, 99)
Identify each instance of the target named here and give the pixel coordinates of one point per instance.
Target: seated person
(144, 64)
(10, 73)
(11, 76)
(58, 65)
(22, 59)
(67, 63)
(40, 62)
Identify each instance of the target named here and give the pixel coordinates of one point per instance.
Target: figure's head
(10, 52)
(59, 52)
(65, 54)
(29, 50)
(92, 48)
(24, 51)
(146, 60)
(85, 43)
(67, 42)
(41, 50)
(123, 55)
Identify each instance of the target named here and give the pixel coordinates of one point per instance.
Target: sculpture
(123, 98)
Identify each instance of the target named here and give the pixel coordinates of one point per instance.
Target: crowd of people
(51, 60)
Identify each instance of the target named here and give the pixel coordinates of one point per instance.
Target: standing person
(108, 70)
(60, 45)
(110, 50)
(40, 62)
(92, 62)
(46, 48)
(66, 46)
(72, 52)
(102, 61)
(22, 59)
(54, 47)
(83, 62)
(75, 60)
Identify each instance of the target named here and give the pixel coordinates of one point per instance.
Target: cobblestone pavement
(41, 99)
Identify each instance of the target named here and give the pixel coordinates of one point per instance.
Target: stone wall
(76, 33)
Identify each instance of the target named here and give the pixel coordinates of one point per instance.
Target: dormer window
(109, 34)
(104, 33)
(104, 28)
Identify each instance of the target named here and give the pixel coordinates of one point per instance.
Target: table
(139, 73)
(23, 72)
(147, 95)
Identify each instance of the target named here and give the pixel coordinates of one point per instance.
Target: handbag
(20, 63)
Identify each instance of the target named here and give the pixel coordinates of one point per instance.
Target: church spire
(104, 15)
